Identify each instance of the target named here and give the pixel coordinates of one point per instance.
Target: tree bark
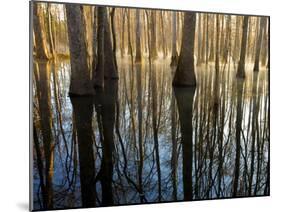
(106, 67)
(41, 47)
(154, 52)
(80, 75)
(138, 37)
(174, 58)
(185, 74)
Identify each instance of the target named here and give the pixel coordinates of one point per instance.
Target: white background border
(14, 103)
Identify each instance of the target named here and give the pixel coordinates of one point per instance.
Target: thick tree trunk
(154, 52)
(80, 75)
(174, 57)
(138, 38)
(110, 69)
(241, 64)
(51, 37)
(106, 67)
(98, 73)
(185, 74)
(41, 47)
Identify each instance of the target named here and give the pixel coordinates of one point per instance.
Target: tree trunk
(40, 35)
(98, 73)
(185, 74)
(138, 38)
(174, 58)
(154, 52)
(106, 67)
(80, 75)
(258, 44)
(51, 37)
(241, 65)
(212, 48)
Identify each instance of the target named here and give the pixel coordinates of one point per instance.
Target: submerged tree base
(184, 78)
(174, 60)
(71, 94)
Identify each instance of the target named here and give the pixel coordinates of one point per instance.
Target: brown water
(141, 141)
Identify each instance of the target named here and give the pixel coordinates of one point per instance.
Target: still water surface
(141, 140)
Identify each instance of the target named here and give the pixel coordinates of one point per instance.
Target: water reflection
(139, 140)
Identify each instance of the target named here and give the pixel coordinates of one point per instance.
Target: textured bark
(138, 37)
(80, 75)
(241, 64)
(174, 57)
(185, 74)
(41, 47)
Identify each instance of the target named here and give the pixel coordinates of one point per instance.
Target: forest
(135, 106)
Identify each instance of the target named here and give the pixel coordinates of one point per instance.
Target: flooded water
(141, 141)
